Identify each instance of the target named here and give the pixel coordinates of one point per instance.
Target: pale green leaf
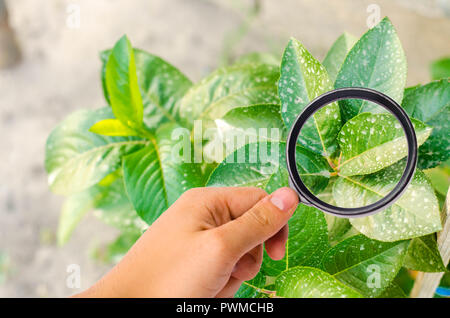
(366, 265)
(439, 178)
(243, 125)
(430, 103)
(337, 53)
(423, 255)
(229, 87)
(376, 61)
(115, 209)
(338, 227)
(307, 282)
(415, 214)
(77, 159)
(302, 79)
(371, 142)
(73, 210)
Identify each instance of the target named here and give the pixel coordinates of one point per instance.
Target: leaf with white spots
(337, 53)
(251, 288)
(371, 142)
(376, 61)
(161, 85)
(227, 88)
(302, 79)
(73, 210)
(366, 265)
(256, 165)
(423, 255)
(307, 282)
(338, 228)
(156, 176)
(113, 207)
(77, 159)
(393, 291)
(430, 103)
(257, 121)
(306, 244)
(414, 214)
(243, 125)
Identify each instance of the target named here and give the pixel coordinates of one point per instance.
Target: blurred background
(49, 67)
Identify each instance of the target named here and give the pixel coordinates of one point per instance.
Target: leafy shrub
(119, 160)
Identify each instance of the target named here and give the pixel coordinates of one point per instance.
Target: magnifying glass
(298, 180)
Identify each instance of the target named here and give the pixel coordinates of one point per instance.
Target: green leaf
(439, 178)
(161, 85)
(73, 210)
(440, 68)
(115, 209)
(119, 247)
(338, 227)
(393, 291)
(366, 265)
(77, 159)
(155, 176)
(376, 61)
(307, 242)
(250, 120)
(371, 142)
(229, 87)
(302, 79)
(258, 58)
(243, 125)
(423, 255)
(122, 85)
(307, 282)
(415, 214)
(430, 103)
(112, 127)
(404, 280)
(251, 288)
(257, 163)
(337, 53)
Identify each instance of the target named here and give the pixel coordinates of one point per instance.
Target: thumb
(261, 222)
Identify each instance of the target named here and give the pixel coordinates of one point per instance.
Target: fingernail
(284, 199)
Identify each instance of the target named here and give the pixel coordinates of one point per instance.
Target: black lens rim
(305, 196)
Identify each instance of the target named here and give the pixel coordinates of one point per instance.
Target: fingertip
(276, 245)
(277, 253)
(284, 199)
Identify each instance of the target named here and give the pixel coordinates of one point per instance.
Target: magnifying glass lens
(350, 158)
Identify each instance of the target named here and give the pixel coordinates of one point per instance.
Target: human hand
(205, 245)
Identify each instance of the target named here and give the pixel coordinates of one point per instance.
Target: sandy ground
(59, 73)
